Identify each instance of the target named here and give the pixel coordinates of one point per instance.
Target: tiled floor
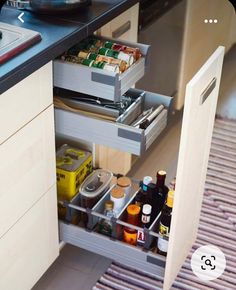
(76, 269)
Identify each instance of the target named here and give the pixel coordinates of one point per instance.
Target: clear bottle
(105, 226)
(165, 223)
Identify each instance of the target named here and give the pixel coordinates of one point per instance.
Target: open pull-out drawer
(86, 235)
(198, 120)
(113, 134)
(98, 82)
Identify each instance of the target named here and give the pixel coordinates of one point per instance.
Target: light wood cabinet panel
(197, 127)
(21, 103)
(27, 168)
(106, 157)
(124, 27)
(30, 247)
(112, 159)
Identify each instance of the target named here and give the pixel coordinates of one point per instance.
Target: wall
(201, 40)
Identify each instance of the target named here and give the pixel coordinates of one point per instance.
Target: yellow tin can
(73, 166)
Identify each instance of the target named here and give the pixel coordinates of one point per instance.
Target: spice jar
(130, 235)
(117, 195)
(125, 183)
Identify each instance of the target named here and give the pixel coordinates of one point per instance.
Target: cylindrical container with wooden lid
(125, 183)
(117, 195)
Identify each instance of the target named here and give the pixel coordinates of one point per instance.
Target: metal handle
(122, 29)
(208, 90)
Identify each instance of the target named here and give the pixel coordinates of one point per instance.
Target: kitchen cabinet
(123, 27)
(199, 112)
(29, 230)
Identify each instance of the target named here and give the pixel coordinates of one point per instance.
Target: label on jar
(145, 219)
(162, 244)
(163, 230)
(141, 237)
(163, 240)
(129, 59)
(130, 238)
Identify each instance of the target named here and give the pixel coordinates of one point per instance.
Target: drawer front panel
(24, 101)
(115, 135)
(112, 249)
(124, 138)
(98, 82)
(27, 169)
(30, 247)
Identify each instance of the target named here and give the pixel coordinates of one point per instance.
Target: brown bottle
(130, 235)
(159, 198)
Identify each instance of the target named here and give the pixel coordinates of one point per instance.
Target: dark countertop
(58, 34)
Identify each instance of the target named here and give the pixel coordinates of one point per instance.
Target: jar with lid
(117, 195)
(130, 235)
(125, 183)
(104, 225)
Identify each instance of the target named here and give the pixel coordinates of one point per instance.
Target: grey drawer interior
(98, 82)
(111, 247)
(116, 135)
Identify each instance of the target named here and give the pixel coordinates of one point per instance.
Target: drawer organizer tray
(116, 135)
(98, 82)
(111, 247)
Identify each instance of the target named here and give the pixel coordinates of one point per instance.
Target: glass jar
(130, 235)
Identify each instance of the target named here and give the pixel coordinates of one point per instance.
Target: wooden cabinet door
(198, 120)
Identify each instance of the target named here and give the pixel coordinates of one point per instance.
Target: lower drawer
(85, 234)
(116, 135)
(30, 247)
(113, 249)
(27, 168)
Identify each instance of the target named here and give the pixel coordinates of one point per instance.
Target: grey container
(98, 82)
(116, 135)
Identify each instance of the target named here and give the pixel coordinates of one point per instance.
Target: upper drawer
(24, 101)
(113, 134)
(98, 82)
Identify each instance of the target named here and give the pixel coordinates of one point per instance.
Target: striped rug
(217, 224)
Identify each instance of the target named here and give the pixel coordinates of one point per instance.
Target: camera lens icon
(208, 263)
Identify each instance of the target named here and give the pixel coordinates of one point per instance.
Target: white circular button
(208, 262)
(206, 20)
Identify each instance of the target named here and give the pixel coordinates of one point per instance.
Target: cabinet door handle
(208, 90)
(122, 29)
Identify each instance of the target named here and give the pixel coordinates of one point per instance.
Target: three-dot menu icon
(211, 21)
